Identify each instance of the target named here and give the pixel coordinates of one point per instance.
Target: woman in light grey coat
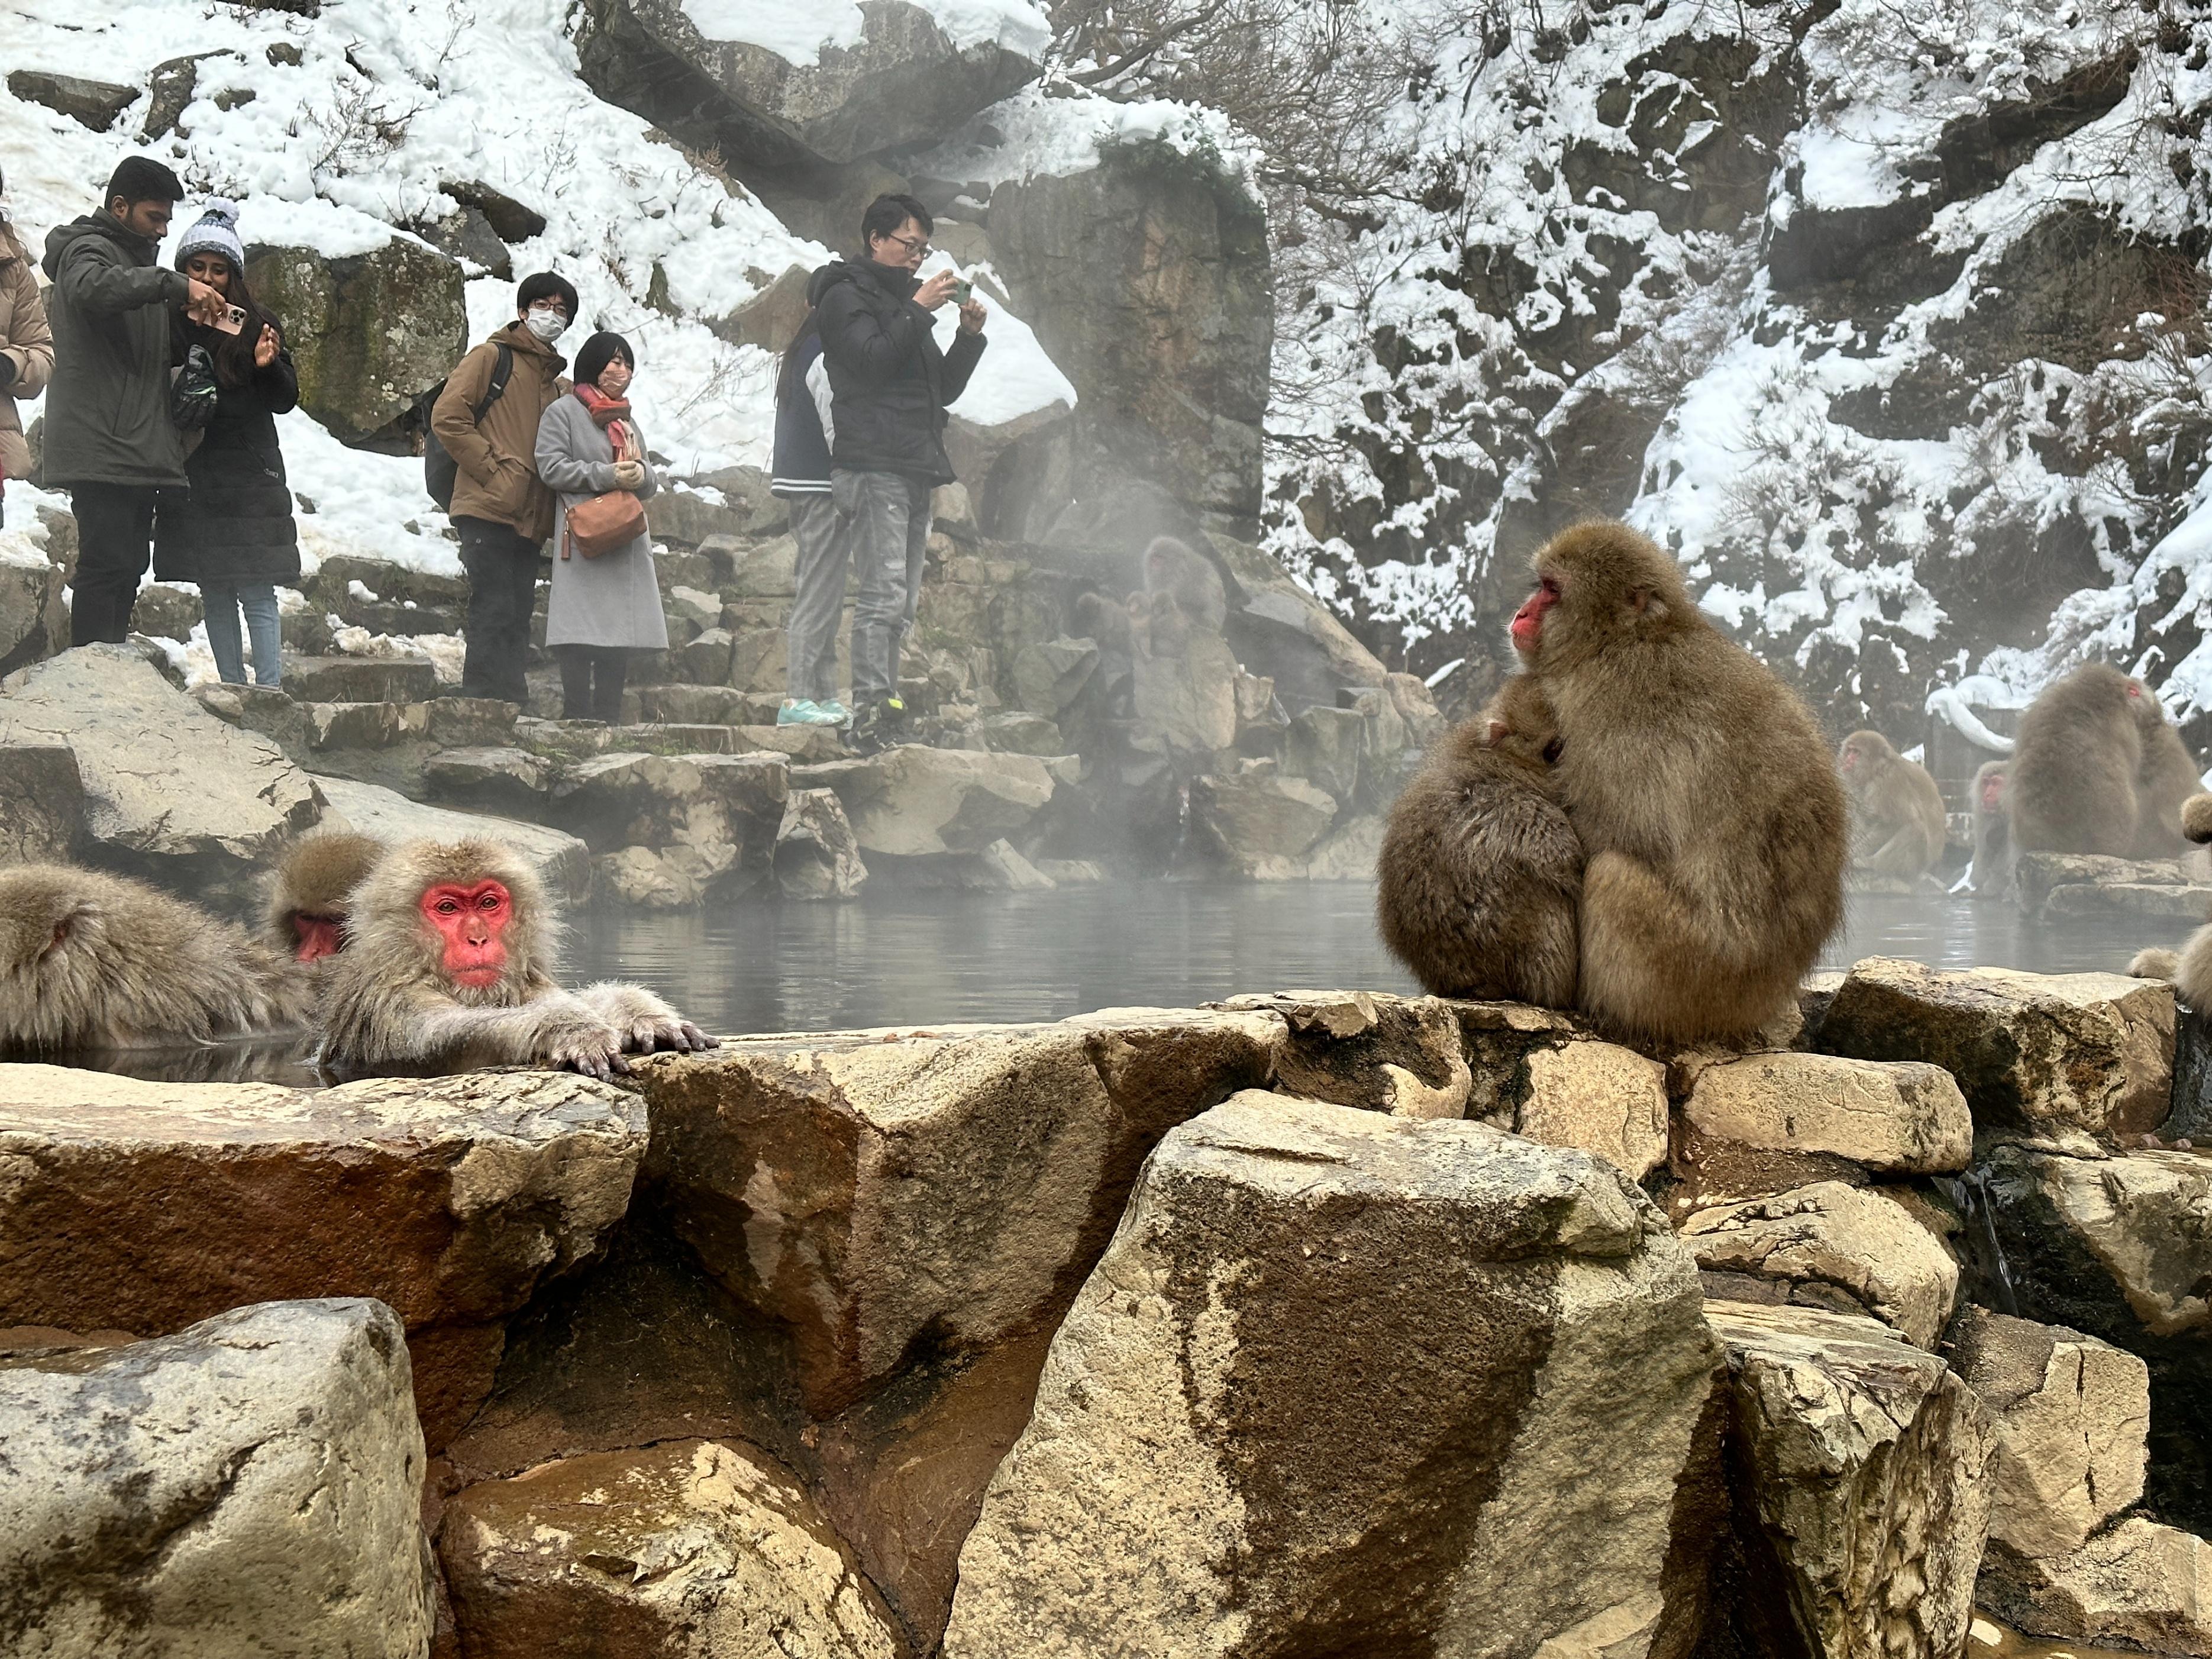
(601, 608)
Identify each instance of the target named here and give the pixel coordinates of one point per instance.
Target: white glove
(629, 475)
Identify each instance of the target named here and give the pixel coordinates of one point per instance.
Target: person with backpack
(234, 534)
(486, 421)
(109, 440)
(806, 423)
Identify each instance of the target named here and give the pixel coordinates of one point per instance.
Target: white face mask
(547, 325)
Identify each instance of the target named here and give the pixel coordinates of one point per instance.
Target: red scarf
(610, 416)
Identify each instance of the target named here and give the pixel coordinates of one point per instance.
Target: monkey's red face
(472, 922)
(1993, 791)
(314, 937)
(1529, 620)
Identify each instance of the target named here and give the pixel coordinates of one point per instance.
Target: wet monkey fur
(2190, 967)
(1899, 825)
(448, 967)
(1993, 851)
(89, 960)
(1712, 822)
(1480, 869)
(306, 909)
(2097, 767)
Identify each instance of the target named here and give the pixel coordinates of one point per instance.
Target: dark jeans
(591, 681)
(114, 544)
(502, 567)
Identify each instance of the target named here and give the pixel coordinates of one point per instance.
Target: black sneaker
(870, 734)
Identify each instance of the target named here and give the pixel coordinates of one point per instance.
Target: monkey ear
(1496, 735)
(1648, 604)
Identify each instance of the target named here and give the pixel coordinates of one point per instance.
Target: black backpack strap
(499, 372)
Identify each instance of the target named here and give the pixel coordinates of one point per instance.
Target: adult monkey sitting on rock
(1703, 791)
(2097, 767)
(448, 965)
(1899, 826)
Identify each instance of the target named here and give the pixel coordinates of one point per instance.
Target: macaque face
(316, 937)
(1529, 620)
(1993, 792)
(472, 922)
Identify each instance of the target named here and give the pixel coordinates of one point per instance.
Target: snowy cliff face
(1887, 319)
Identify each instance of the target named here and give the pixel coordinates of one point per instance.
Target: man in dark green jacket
(109, 439)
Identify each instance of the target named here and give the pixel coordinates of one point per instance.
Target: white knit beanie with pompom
(216, 231)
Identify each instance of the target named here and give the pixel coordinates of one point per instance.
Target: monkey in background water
(1899, 826)
(1993, 850)
(1479, 870)
(1708, 810)
(447, 966)
(89, 960)
(305, 907)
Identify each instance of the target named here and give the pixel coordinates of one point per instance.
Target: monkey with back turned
(2097, 767)
(1479, 871)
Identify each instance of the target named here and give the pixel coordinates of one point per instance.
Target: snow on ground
(392, 100)
(799, 30)
(1054, 129)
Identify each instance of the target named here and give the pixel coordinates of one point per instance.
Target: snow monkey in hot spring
(448, 967)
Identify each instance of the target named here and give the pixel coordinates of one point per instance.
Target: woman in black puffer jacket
(234, 534)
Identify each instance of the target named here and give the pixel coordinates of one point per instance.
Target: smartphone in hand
(962, 291)
(234, 320)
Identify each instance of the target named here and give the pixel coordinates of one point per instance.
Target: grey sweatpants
(888, 514)
(824, 540)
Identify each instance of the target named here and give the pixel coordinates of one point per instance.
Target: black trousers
(502, 566)
(114, 544)
(591, 681)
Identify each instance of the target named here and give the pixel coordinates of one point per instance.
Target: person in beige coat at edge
(26, 348)
(602, 609)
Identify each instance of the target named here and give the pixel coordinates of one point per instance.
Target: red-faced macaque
(2097, 768)
(1993, 855)
(89, 960)
(1170, 568)
(1711, 815)
(1480, 870)
(2190, 967)
(306, 909)
(1898, 823)
(448, 964)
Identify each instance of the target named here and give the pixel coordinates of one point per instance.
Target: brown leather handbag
(604, 524)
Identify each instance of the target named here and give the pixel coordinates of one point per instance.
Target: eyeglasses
(554, 306)
(918, 248)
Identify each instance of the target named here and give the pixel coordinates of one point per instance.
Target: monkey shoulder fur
(1480, 869)
(2097, 767)
(89, 960)
(1712, 821)
(448, 965)
(2190, 967)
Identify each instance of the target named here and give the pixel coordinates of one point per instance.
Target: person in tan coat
(500, 509)
(27, 348)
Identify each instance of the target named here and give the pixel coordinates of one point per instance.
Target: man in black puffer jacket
(889, 386)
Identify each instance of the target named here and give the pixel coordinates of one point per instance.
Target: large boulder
(817, 856)
(1259, 822)
(1368, 1048)
(562, 860)
(2140, 1585)
(2119, 1247)
(41, 802)
(794, 88)
(1234, 1449)
(710, 819)
(881, 1192)
(688, 1547)
(2038, 1052)
(913, 802)
(248, 1485)
(170, 792)
(1770, 1121)
(1147, 278)
(33, 615)
(143, 1206)
(2070, 1413)
(370, 332)
(1859, 1494)
(1829, 1245)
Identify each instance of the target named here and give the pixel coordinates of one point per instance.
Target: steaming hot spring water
(925, 958)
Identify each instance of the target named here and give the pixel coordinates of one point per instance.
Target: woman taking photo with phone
(234, 534)
(606, 601)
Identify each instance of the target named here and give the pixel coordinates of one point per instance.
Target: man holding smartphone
(109, 439)
(889, 386)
